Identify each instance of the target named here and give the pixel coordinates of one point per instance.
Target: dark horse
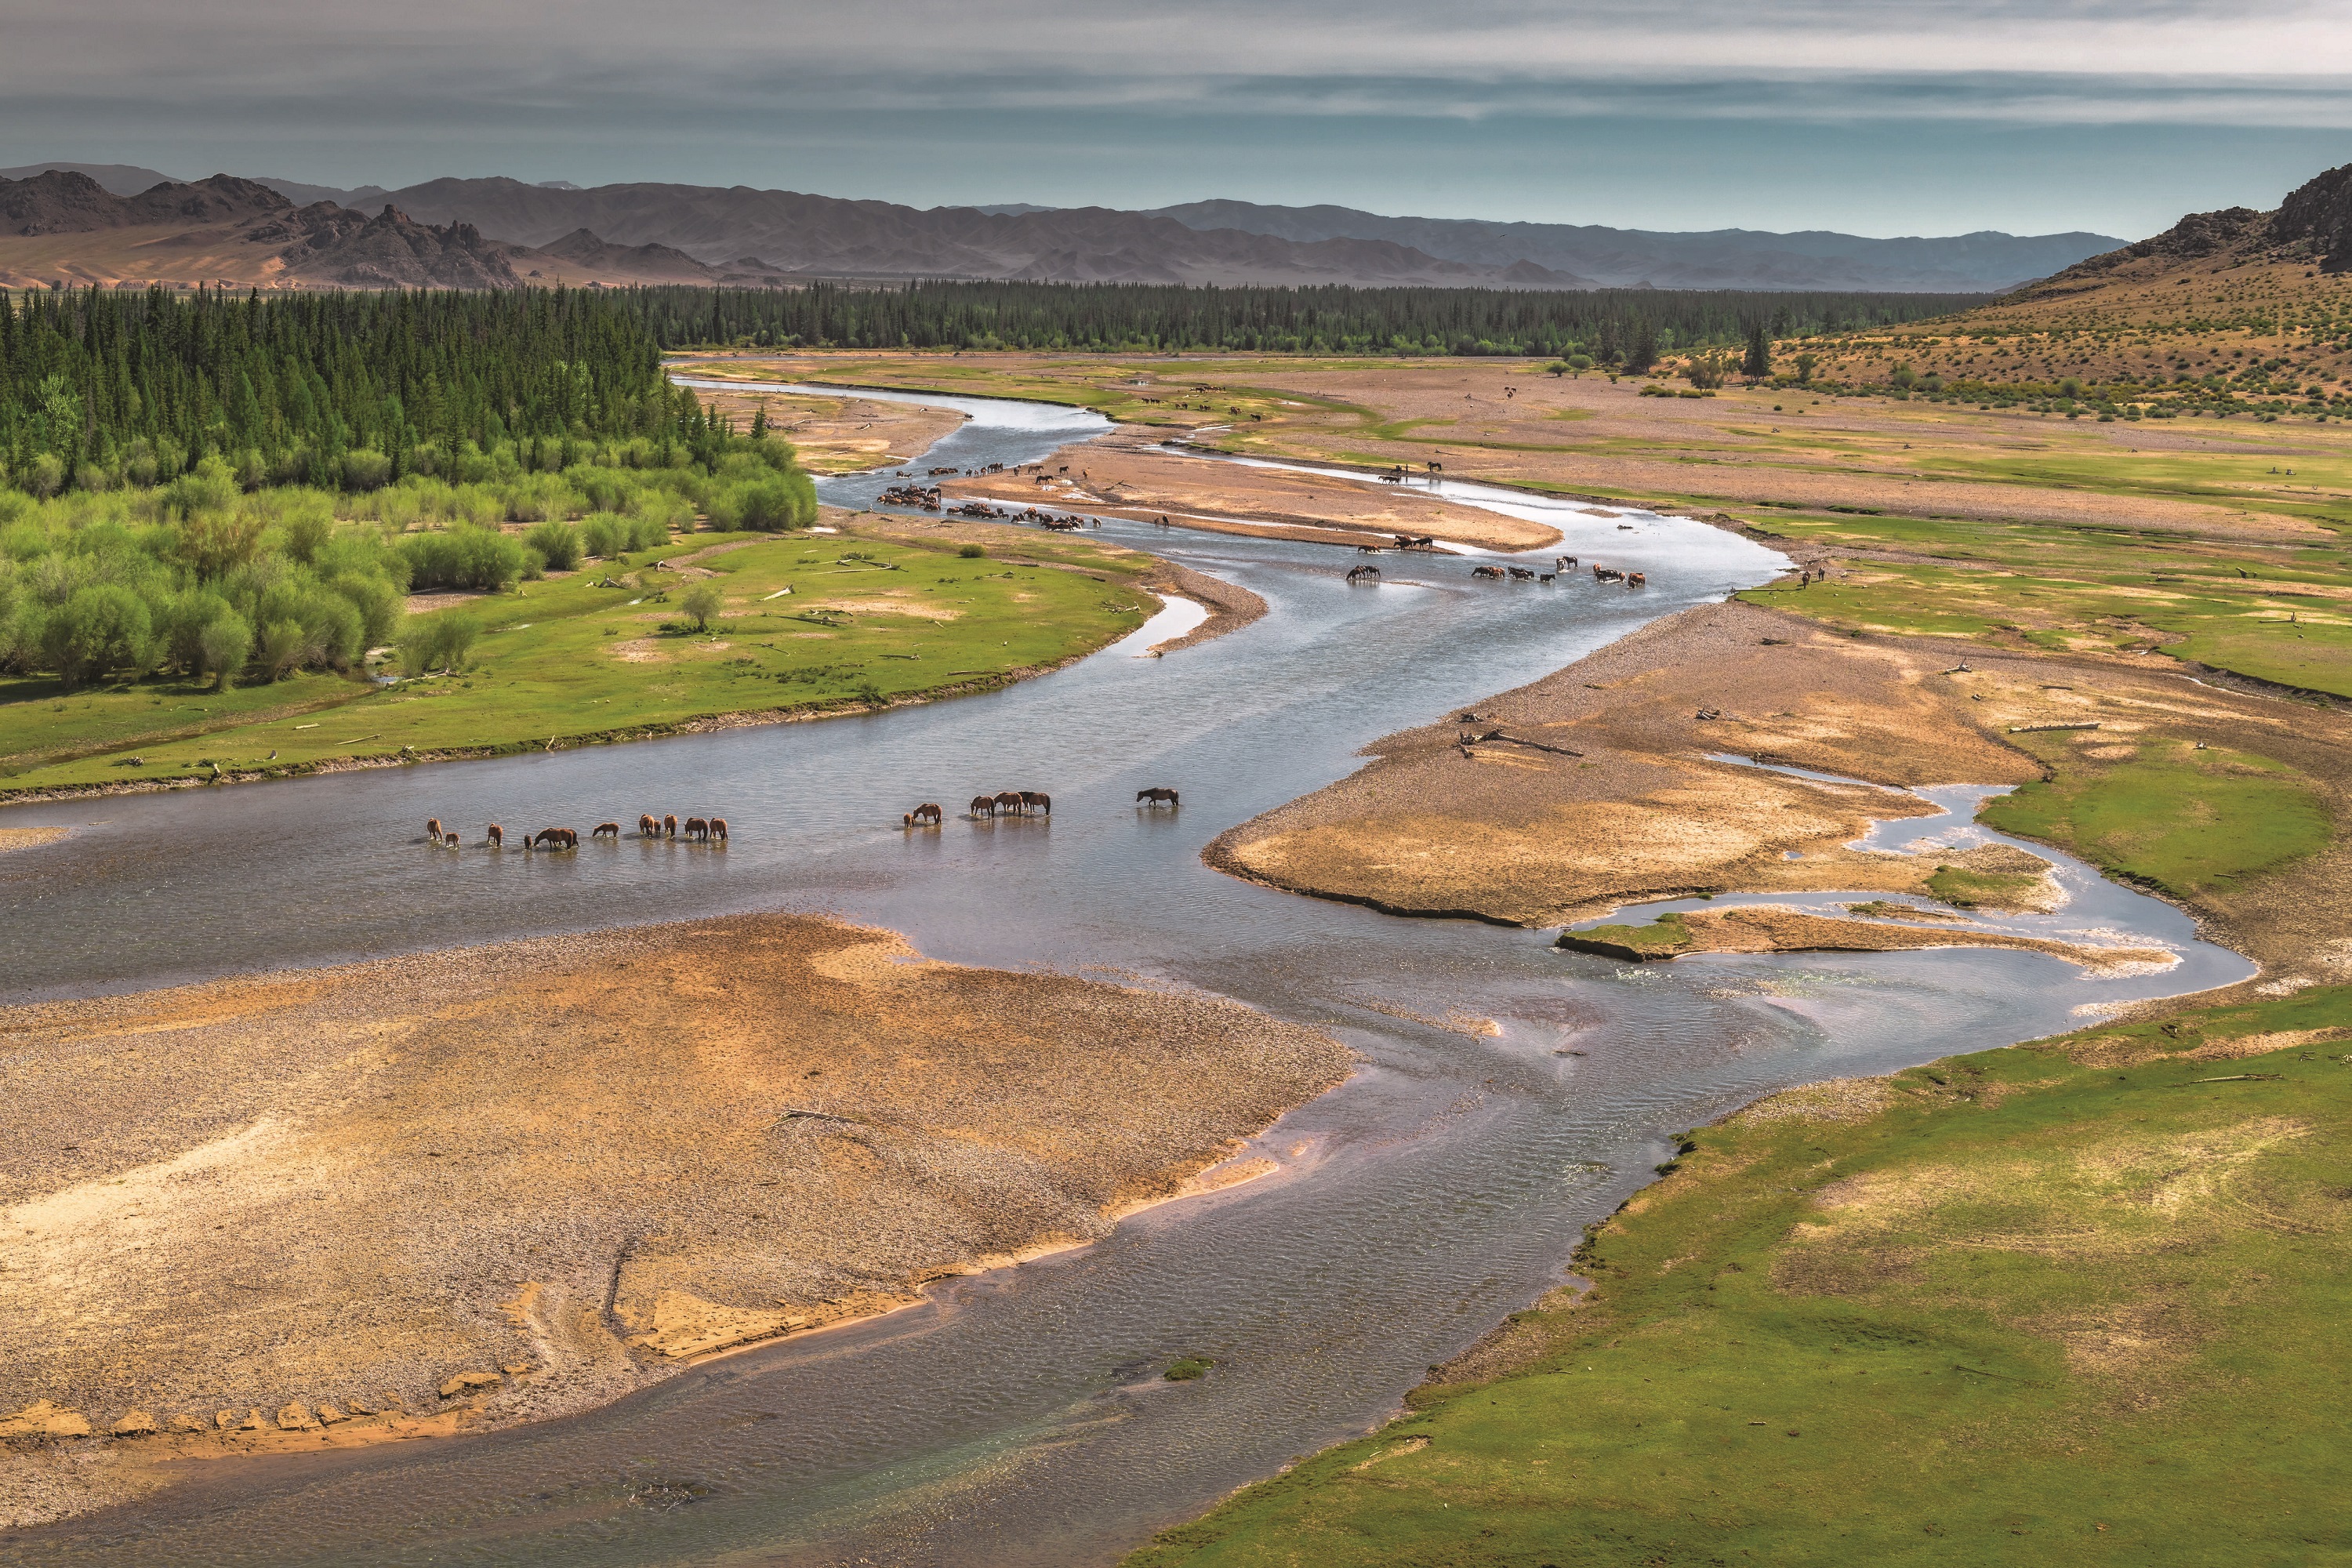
(1155, 794)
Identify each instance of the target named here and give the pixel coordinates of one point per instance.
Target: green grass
(1661, 938)
(567, 661)
(2183, 820)
(1966, 889)
(2012, 1309)
(2274, 614)
(1187, 1369)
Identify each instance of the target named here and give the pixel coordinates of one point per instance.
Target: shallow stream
(1016, 1418)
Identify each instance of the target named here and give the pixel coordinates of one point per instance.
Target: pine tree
(1757, 366)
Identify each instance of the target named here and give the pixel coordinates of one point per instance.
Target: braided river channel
(1017, 1417)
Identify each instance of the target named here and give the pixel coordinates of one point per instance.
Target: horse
(1436, 468)
(719, 830)
(907, 820)
(558, 837)
(670, 826)
(1032, 798)
(697, 828)
(1521, 575)
(1636, 579)
(433, 829)
(496, 836)
(1495, 571)
(1154, 795)
(606, 828)
(929, 811)
(982, 805)
(646, 826)
(1009, 800)
(1543, 576)
(450, 839)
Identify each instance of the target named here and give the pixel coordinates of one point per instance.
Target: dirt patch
(836, 434)
(1126, 477)
(29, 837)
(441, 599)
(512, 1182)
(1771, 928)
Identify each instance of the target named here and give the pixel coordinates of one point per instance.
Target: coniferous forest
(341, 390)
(1127, 316)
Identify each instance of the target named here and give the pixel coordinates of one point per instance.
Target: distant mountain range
(474, 232)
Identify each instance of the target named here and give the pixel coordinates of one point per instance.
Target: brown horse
(982, 805)
(648, 828)
(1154, 795)
(497, 837)
(718, 829)
(1009, 800)
(929, 811)
(906, 818)
(556, 838)
(697, 828)
(450, 839)
(670, 826)
(1034, 800)
(432, 829)
(606, 829)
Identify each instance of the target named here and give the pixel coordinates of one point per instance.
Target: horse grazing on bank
(646, 826)
(496, 836)
(697, 828)
(606, 830)
(981, 806)
(1035, 800)
(1155, 796)
(929, 811)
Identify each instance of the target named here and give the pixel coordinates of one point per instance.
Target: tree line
(1614, 325)
(346, 390)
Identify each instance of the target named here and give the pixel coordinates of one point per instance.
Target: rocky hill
(2312, 228)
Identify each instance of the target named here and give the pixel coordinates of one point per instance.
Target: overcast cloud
(1920, 116)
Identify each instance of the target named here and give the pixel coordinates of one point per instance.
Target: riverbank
(831, 434)
(470, 1188)
(2221, 799)
(806, 626)
(2037, 1305)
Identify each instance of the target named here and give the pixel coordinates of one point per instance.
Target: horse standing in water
(496, 836)
(719, 830)
(648, 828)
(982, 805)
(1036, 800)
(1155, 796)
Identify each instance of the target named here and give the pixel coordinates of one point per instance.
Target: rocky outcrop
(327, 244)
(2314, 223)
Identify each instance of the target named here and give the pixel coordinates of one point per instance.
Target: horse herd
(693, 830)
(1017, 802)
(1561, 568)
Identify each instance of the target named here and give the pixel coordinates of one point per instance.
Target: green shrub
(702, 602)
(972, 552)
(1185, 1369)
(463, 557)
(770, 504)
(101, 627)
(222, 646)
(365, 470)
(557, 543)
(438, 641)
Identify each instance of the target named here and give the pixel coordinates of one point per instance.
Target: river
(1016, 1418)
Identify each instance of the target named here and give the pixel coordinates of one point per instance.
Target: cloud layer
(1663, 112)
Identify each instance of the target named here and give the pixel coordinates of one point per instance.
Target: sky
(1876, 117)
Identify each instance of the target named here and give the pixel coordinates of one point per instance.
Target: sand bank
(477, 1187)
(1127, 475)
